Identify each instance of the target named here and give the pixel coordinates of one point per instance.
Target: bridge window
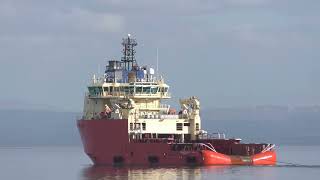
(143, 126)
(126, 89)
(91, 90)
(164, 89)
(106, 89)
(179, 127)
(186, 124)
(197, 127)
(116, 89)
(131, 89)
(139, 89)
(154, 90)
(95, 90)
(131, 126)
(146, 89)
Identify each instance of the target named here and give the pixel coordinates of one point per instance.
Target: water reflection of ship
(137, 173)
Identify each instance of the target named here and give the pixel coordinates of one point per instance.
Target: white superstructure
(128, 91)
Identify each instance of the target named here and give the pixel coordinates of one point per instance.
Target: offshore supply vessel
(125, 122)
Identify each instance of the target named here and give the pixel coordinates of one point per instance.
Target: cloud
(33, 19)
(65, 40)
(247, 2)
(83, 20)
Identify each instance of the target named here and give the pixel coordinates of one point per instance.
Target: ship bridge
(133, 90)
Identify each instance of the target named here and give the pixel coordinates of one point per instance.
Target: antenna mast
(157, 62)
(128, 51)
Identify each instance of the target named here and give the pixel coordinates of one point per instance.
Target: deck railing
(212, 136)
(129, 94)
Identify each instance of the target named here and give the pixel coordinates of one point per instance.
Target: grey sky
(227, 52)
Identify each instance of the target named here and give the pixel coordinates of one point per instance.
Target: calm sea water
(60, 163)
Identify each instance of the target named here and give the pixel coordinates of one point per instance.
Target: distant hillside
(31, 127)
(276, 125)
(27, 128)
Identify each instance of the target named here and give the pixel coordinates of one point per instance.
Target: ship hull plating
(106, 142)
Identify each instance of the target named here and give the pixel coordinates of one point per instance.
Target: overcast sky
(226, 52)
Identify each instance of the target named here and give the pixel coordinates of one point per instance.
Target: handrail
(268, 148)
(210, 145)
(211, 148)
(129, 94)
(159, 116)
(212, 135)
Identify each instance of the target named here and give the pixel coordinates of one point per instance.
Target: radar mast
(128, 51)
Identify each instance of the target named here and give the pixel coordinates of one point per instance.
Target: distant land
(38, 127)
(274, 124)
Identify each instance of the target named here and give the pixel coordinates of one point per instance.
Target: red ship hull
(106, 142)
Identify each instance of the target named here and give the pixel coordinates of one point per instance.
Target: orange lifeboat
(215, 158)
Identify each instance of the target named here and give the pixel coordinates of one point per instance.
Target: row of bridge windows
(128, 89)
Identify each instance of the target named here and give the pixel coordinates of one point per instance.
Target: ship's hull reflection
(137, 173)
